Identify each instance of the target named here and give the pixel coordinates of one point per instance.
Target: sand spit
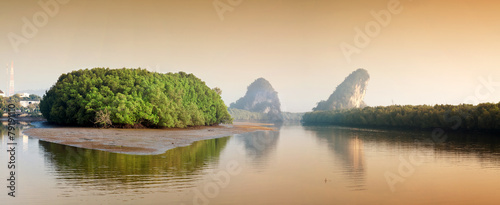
(138, 141)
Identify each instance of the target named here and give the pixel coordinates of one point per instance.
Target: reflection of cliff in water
(457, 148)
(448, 145)
(176, 168)
(348, 147)
(259, 145)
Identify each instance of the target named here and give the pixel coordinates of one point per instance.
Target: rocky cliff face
(261, 97)
(349, 94)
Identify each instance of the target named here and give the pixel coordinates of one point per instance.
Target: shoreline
(23, 119)
(139, 141)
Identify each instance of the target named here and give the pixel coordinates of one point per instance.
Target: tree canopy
(32, 97)
(483, 117)
(133, 97)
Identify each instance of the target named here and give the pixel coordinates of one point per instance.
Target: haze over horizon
(429, 52)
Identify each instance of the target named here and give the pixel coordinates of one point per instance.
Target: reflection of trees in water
(19, 127)
(100, 170)
(450, 145)
(348, 147)
(259, 145)
(486, 148)
(348, 143)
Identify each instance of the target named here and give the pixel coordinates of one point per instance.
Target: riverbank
(138, 141)
(23, 119)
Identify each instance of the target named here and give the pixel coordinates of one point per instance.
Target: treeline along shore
(137, 98)
(465, 117)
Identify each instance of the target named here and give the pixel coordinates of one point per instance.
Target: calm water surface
(294, 165)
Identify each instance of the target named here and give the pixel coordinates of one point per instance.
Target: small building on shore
(2, 94)
(26, 103)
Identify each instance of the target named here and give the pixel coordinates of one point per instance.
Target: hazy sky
(428, 52)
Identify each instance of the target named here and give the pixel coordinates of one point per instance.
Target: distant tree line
(132, 97)
(292, 116)
(483, 117)
(245, 115)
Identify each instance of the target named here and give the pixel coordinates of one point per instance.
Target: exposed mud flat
(138, 141)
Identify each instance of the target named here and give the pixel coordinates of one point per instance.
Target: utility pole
(6, 79)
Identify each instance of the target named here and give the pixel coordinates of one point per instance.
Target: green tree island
(133, 98)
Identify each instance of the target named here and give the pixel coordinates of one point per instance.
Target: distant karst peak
(261, 97)
(349, 94)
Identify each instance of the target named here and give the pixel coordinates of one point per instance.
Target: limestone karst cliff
(349, 94)
(262, 98)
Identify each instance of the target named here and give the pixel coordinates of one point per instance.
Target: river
(293, 165)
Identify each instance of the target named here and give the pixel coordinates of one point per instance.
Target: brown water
(295, 165)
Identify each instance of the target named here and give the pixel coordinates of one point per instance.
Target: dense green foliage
(33, 97)
(462, 117)
(133, 97)
(15, 99)
(341, 97)
(260, 98)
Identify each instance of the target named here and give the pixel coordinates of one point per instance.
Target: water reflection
(348, 147)
(259, 145)
(19, 126)
(112, 173)
(484, 148)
